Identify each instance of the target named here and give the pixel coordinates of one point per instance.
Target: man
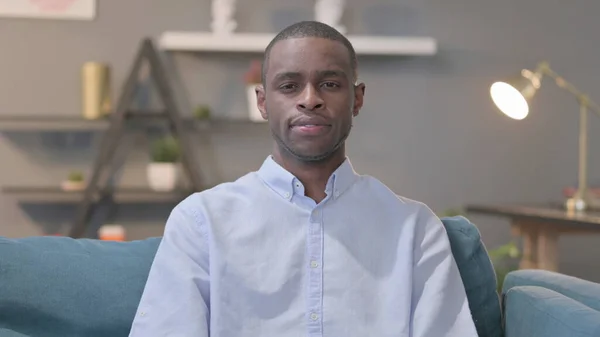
(304, 246)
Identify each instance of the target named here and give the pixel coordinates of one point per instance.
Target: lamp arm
(564, 84)
(581, 198)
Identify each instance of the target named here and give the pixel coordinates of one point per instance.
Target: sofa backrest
(91, 288)
(478, 275)
(67, 287)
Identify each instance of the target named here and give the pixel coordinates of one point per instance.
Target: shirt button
(287, 194)
(314, 317)
(314, 264)
(337, 194)
(315, 214)
(142, 313)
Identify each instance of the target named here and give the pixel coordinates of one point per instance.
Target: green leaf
(202, 112)
(76, 176)
(165, 150)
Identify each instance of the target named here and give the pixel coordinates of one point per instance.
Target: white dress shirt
(256, 257)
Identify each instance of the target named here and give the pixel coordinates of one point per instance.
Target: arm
(176, 296)
(439, 302)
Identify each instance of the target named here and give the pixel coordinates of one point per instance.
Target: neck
(313, 175)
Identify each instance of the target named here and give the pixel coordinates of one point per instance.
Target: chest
(312, 269)
(273, 245)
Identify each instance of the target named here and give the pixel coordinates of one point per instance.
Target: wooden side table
(540, 228)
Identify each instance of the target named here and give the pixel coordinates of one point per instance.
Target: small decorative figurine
(223, 21)
(330, 12)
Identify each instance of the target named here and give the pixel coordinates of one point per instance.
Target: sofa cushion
(537, 311)
(57, 286)
(477, 273)
(583, 291)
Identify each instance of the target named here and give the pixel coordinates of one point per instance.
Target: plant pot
(162, 176)
(253, 112)
(111, 232)
(70, 186)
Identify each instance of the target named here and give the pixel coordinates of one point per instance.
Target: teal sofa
(61, 287)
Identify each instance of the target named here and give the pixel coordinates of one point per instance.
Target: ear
(359, 94)
(260, 100)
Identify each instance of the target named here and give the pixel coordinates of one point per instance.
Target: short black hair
(310, 29)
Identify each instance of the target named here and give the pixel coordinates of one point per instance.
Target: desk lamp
(512, 97)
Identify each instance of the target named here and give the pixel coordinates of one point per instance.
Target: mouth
(309, 125)
(309, 122)
(310, 129)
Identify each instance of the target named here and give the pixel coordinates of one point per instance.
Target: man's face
(309, 96)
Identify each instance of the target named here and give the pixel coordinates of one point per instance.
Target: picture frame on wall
(49, 9)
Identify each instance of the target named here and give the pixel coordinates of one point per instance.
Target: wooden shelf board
(50, 123)
(61, 123)
(28, 194)
(257, 42)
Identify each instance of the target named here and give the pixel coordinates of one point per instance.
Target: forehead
(308, 54)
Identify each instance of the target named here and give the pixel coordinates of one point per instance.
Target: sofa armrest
(10, 333)
(536, 311)
(580, 290)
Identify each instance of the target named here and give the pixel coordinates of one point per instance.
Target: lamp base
(576, 204)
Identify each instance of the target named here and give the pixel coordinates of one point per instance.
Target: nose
(310, 99)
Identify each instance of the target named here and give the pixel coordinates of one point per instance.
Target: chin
(313, 158)
(312, 155)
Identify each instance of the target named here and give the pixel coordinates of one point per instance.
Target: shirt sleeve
(175, 299)
(440, 307)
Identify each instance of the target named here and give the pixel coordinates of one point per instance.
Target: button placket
(315, 272)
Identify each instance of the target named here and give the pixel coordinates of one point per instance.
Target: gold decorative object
(512, 97)
(96, 101)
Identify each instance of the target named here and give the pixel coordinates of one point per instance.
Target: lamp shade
(512, 97)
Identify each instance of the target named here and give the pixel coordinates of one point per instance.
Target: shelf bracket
(104, 164)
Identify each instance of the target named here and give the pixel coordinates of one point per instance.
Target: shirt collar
(286, 184)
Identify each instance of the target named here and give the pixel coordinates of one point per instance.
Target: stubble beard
(315, 158)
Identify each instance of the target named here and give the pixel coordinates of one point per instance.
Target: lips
(309, 122)
(310, 126)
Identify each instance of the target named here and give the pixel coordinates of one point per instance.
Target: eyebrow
(290, 75)
(331, 73)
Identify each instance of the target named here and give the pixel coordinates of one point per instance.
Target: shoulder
(230, 191)
(409, 213)
(221, 196)
(382, 194)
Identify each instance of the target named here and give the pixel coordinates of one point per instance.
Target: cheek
(277, 105)
(340, 104)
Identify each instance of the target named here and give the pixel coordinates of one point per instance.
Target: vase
(253, 111)
(330, 12)
(95, 81)
(223, 22)
(162, 177)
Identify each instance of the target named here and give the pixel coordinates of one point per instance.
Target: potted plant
(75, 181)
(252, 77)
(505, 259)
(162, 170)
(202, 112)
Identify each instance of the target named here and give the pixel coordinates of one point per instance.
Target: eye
(288, 87)
(330, 85)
